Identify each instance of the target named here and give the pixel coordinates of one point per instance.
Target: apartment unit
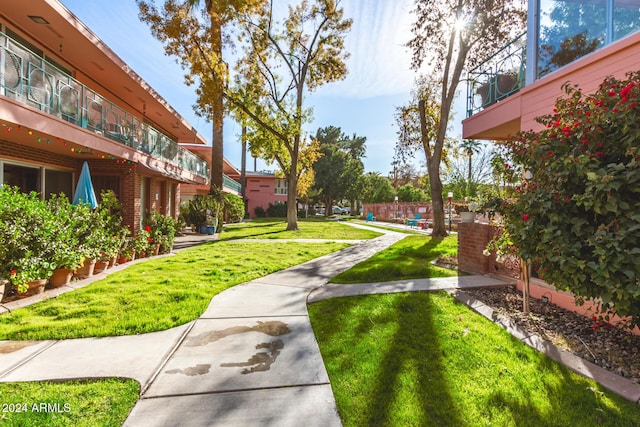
(67, 98)
(576, 41)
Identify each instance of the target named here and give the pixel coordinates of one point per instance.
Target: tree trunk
(292, 208)
(439, 227)
(243, 167)
(217, 151)
(292, 189)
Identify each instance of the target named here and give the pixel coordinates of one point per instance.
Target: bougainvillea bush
(577, 217)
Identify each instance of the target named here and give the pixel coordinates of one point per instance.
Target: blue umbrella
(84, 190)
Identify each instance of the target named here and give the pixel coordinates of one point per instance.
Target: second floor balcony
(34, 81)
(500, 76)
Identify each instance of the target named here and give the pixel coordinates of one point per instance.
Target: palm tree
(470, 147)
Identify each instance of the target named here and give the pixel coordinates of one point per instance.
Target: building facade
(66, 98)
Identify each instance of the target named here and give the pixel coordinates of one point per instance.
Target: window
(280, 186)
(569, 29)
(26, 178)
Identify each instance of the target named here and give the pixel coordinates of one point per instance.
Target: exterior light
(38, 19)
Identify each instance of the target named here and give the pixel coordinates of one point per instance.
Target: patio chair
(413, 222)
(370, 217)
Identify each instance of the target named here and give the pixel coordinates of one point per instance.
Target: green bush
(233, 208)
(578, 216)
(277, 211)
(260, 212)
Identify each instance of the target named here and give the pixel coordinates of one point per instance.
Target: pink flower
(525, 217)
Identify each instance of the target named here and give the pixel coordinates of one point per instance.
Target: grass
(410, 258)
(158, 294)
(423, 359)
(75, 403)
(381, 226)
(275, 228)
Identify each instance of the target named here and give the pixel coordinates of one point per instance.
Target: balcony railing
(231, 184)
(498, 77)
(34, 81)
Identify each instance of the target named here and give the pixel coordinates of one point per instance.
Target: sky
(379, 74)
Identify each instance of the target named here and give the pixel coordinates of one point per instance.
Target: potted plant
(141, 242)
(127, 250)
(30, 274)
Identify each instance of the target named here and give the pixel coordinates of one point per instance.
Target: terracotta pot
(100, 266)
(112, 262)
(86, 270)
(156, 250)
(4, 285)
(60, 277)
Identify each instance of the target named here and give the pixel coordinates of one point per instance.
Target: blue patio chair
(413, 222)
(370, 217)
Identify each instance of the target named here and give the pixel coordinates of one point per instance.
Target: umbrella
(84, 190)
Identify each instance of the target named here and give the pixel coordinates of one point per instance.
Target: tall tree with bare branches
(449, 36)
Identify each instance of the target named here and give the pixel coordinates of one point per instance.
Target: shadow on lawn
(395, 365)
(401, 382)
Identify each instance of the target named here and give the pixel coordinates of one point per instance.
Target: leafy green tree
(281, 62)
(578, 212)
(377, 189)
(338, 172)
(449, 35)
(408, 193)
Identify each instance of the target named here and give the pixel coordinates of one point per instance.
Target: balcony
(231, 184)
(500, 76)
(31, 80)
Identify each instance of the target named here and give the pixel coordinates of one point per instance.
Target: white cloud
(379, 63)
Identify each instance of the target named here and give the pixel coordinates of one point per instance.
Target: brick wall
(383, 211)
(472, 239)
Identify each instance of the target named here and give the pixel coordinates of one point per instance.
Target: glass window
(626, 17)
(568, 30)
(56, 182)
(26, 178)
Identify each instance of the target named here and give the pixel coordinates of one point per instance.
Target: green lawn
(158, 294)
(410, 258)
(75, 403)
(275, 228)
(425, 360)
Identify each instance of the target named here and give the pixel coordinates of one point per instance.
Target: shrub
(277, 211)
(233, 208)
(578, 216)
(260, 212)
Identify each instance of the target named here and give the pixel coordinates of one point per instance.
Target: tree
(306, 53)
(464, 178)
(278, 67)
(408, 193)
(376, 189)
(339, 171)
(198, 44)
(449, 35)
(576, 217)
(470, 147)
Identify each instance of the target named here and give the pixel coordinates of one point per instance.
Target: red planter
(35, 287)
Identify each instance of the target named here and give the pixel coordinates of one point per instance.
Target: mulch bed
(607, 346)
